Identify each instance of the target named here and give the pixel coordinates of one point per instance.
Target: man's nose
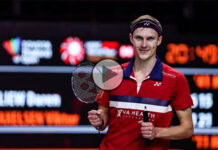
(144, 43)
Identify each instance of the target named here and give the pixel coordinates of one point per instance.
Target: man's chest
(153, 89)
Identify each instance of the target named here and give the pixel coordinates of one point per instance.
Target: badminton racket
(83, 85)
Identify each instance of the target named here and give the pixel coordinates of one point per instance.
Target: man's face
(145, 42)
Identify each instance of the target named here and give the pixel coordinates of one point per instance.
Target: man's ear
(130, 37)
(159, 40)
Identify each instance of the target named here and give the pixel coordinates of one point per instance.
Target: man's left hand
(147, 130)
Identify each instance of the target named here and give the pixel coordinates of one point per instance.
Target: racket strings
(83, 84)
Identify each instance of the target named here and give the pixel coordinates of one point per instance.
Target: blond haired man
(150, 86)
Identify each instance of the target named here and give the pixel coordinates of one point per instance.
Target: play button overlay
(107, 74)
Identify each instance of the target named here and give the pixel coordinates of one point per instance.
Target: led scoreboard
(199, 62)
(201, 71)
(183, 54)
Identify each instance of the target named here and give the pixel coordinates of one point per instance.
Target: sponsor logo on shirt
(133, 114)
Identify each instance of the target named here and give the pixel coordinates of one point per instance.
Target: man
(148, 83)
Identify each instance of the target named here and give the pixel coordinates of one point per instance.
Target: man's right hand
(95, 118)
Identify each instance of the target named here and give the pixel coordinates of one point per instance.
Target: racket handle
(147, 142)
(146, 119)
(101, 126)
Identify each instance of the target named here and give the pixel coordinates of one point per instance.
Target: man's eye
(150, 39)
(138, 38)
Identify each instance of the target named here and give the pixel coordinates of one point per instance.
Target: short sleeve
(104, 100)
(182, 98)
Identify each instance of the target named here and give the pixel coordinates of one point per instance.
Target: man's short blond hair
(145, 17)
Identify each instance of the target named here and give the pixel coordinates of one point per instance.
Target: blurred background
(41, 41)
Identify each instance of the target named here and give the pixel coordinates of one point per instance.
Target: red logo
(72, 51)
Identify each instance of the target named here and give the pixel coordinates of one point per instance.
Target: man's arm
(99, 118)
(181, 131)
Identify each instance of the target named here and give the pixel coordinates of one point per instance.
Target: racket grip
(146, 119)
(101, 126)
(147, 142)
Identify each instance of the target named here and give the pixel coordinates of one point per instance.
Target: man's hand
(147, 130)
(95, 118)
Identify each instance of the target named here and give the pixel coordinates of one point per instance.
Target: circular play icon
(107, 74)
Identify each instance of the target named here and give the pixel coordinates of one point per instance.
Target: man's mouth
(143, 50)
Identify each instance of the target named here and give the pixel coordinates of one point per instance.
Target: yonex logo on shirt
(157, 84)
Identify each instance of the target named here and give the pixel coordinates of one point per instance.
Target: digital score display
(199, 58)
(203, 87)
(184, 55)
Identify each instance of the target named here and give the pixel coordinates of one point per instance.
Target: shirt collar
(155, 74)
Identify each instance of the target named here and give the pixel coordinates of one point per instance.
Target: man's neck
(143, 68)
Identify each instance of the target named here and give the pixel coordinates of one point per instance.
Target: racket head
(83, 85)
